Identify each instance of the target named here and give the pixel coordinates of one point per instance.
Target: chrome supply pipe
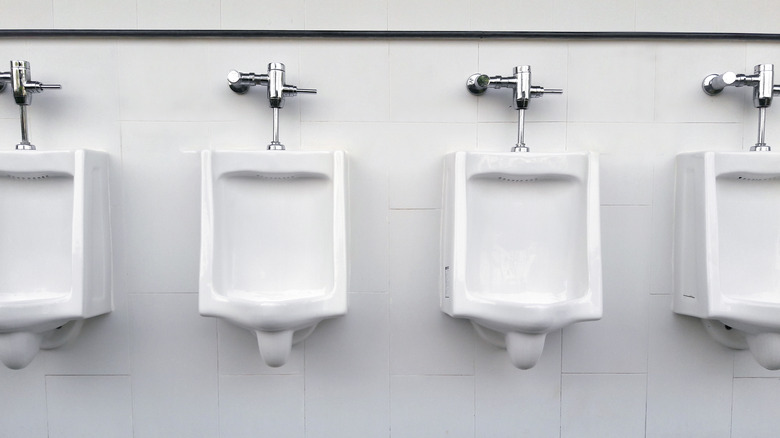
(277, 91)
(23, 88)
(522, 93)
(764, 89)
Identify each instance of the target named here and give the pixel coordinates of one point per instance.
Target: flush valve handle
(277, 91)
(764, 89)
(522, 93)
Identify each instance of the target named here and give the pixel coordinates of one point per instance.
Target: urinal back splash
(526, 226)
(36, 235)
(522, 241)
(273, 233)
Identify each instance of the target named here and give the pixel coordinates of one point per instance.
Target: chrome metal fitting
(522, 93)
(277, 91)
(764, 89)
(23, 88)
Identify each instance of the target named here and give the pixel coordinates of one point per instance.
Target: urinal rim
(331, 304)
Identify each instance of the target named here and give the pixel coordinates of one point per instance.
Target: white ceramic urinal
(727, 248)
(521, 251)
(273, 243)
(55, 248)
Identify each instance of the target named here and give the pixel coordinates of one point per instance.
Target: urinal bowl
(521, 250)
(726, 262)
(55, 248)
(273, 243)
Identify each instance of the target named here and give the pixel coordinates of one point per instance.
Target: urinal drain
(503, 178)
(276, 177)
(16, 177)
(769, 178)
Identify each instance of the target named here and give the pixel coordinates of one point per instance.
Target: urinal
(727, 248)
(55, 248)
(273, 243)
(521, 249)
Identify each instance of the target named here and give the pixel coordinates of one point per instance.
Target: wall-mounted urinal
(521, 248)
(55, 241)
(727, 229)
(273, 240)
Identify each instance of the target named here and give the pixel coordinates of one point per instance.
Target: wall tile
(512, 402)
(346, 15)
(361, 95)
(36, 14)
(689, 377)
(432, 406)
(267, 405)
(94, 14)
(24, 404)
(754, 411)
(512, 15)
(347, 372)
(603, 405)
(430, 15)
(613, 15)
(239, 14)
(671, 16)
(423, 340)
(416, 159)
(178, 14)
(626, 179)
(161, 167)
(616, 88)
(174, 367)
(164, 82)
(89, 406)
(426, 81)
(617, 343)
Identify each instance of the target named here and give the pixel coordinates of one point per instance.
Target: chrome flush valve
(277, 90)
(522, 93)
(764, 89)
(23, 88)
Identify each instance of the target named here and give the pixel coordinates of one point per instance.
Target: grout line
(46, 402)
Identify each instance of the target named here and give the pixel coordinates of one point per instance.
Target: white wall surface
(394, 365)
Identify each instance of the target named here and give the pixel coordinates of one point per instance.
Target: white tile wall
(89, 406)
(348, 395)
(394, 365)
(512, 402)
(603, 405)
(252, 403)
(689, 379)
(754, 403)
(432, 406)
